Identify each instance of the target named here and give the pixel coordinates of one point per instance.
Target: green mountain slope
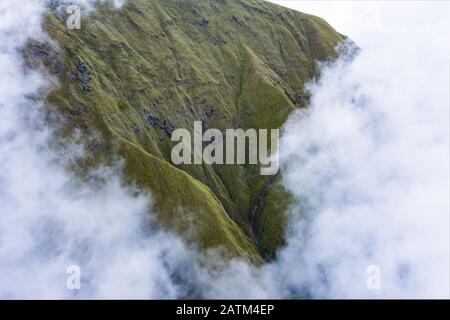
(129, 77)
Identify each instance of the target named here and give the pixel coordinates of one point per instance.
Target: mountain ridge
(129, 77)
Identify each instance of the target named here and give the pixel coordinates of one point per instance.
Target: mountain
(130, 76)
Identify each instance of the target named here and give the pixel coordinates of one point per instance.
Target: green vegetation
(128, 78)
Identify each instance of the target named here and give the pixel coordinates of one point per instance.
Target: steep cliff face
(129, 77)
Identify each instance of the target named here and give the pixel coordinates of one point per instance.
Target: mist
(49, 219)
(368, 161)
(52, 222)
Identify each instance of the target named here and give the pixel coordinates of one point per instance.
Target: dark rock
(97, 145)
(136, 129)
(83, 75)
(210, 112)
(188, 104)
(164, 125)
(233, 19)
(39, 51)
(202, 22)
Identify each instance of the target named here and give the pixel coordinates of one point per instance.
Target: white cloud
(367, 164)
(369, 161)
(48, 220)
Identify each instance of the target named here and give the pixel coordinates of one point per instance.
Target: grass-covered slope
(138, 73)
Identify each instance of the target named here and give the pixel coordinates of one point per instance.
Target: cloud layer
(368, 163)
(50, 221)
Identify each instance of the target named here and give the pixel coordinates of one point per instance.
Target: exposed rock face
(137, 73)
